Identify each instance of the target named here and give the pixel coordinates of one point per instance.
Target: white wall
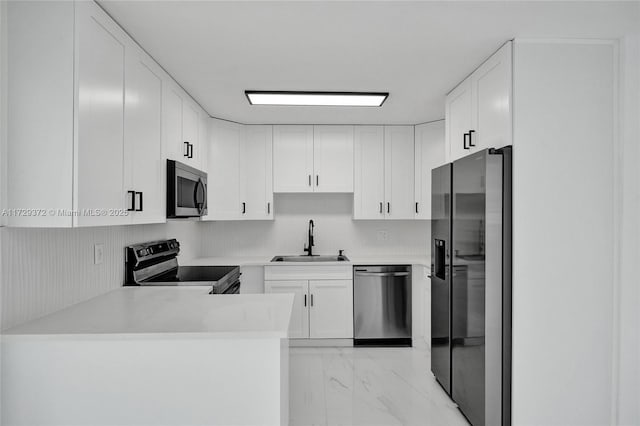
(44, 270)
(334, 230)
(563, 233)
(3, 133)
(627, 350)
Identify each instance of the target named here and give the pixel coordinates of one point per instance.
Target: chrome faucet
(309, 247)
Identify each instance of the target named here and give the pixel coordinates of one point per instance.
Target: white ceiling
(417, 51)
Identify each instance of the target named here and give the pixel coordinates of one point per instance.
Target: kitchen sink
(471, 257)
(307, 258)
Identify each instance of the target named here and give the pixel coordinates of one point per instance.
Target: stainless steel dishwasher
(382, 305)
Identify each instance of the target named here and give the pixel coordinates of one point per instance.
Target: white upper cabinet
(100, 59)
(256, 170)
(313, 158)
(492, 84)
(333, 158)
(458, 120)
(105, 118)
(292, 158)
(399, 173)
(478, 110)
(239, 172)
(173, 146)
(144, 168)
(384, 172)
(223, 175)
(429, 154)
(190, 133)
(181, 121)
(368, 193)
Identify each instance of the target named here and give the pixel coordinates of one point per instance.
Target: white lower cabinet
(331, 309)
(322, 305)
(299, 323)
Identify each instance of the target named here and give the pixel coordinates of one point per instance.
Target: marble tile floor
(367, 387)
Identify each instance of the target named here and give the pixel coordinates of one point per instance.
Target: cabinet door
(368, 190)
(204, 124)
(299, 323)
(292, 158)
(190, 119)
(429, 153)
(223, 178)
(399, 174)
(173, 144)
(333, 158)
(143, 139)
(100, 45)
(331, 309)
(458, 120)
(492, 101)
(256, 165)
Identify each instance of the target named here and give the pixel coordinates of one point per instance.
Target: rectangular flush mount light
(354, 99)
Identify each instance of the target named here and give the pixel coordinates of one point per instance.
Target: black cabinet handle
(140, 208)
(388, 207)
(244, 208)
(471, 132)
(305, 300)
(269, 208)
(416, 207)
(309, 180)
(132, 207)
(380, 207)
(317, 180)
(190, 150)
(311, 299)
(464, 140)
(186, 149)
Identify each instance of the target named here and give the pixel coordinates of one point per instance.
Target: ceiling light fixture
(290, 98)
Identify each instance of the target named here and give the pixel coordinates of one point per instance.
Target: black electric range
(156, 264)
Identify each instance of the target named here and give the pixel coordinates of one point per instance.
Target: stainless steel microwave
(186, 191)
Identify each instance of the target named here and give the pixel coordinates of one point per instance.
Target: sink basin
(471, 257)
(306, 258)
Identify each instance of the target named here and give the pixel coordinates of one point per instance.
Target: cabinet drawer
(308, 272)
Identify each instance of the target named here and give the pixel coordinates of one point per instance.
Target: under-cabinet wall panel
(45, 270)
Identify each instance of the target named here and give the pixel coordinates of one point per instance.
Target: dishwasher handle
(382, 274)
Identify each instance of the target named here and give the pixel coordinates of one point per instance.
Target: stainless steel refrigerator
(471, 284)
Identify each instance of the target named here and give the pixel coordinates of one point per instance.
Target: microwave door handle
(201, 206)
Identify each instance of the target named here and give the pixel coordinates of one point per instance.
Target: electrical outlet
(98, 254)
(383, 235)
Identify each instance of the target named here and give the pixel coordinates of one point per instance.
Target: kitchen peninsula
(159, 355)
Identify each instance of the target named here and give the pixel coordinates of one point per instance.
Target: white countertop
(172, 311)
(353, 260)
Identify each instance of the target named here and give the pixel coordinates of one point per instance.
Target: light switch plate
(98, 254)
(383, 235)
